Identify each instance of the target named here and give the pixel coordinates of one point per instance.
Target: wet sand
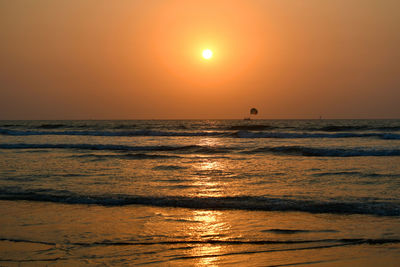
(37, 234)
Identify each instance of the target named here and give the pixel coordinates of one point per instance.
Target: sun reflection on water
(208, 180)
(210, 226)
(207, 141)
(208, 174)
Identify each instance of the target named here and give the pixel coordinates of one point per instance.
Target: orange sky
(100, 59)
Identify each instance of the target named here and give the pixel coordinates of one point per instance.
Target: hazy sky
(98, 59)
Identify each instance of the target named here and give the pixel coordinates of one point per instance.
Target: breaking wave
(290, 135)
(325, 128)
(378, 208)
(133, 156)
(356, 174)
(324, 152)
(109, 133)
(109, 147)
(334, 242)
(243, 132)
(253, 127)
(339, 128)
(277, 150)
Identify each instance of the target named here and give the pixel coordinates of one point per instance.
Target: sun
(207, 54)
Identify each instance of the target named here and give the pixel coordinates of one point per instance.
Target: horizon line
(174, 119)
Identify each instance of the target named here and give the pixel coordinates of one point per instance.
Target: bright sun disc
(207, 54)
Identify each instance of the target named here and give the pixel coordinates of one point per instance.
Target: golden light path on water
(209, 182)
(212, 225)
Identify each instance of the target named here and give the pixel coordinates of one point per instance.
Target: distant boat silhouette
(253, 111)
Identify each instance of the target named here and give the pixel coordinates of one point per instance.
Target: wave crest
(242, 133)
(324, 152)
(378, 208)
(187, 148)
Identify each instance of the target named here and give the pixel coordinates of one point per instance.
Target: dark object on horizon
(253, 111)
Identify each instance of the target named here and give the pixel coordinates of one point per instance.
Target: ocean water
(200, 192)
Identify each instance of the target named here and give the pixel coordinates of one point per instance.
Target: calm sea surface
(201, 192)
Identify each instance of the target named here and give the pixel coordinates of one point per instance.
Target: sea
(200, 193)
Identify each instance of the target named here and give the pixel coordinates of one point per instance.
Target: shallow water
(260, 192)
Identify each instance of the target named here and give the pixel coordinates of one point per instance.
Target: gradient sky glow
(121, 59)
